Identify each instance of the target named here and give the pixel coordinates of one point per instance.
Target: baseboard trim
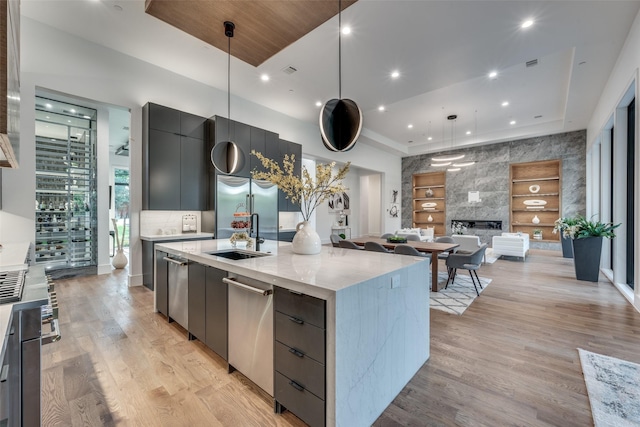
(135, 280)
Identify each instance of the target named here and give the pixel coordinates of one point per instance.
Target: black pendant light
(226, 156)
(340, 119)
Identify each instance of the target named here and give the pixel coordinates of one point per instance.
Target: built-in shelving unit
(536, 193)
(429, 201)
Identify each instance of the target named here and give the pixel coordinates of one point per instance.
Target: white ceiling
(444, 51)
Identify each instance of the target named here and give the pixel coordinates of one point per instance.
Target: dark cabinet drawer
(302, 369)
(298, 334)
(308, 407)
(300, 306)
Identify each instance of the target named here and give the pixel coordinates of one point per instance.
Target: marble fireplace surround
(490, 176)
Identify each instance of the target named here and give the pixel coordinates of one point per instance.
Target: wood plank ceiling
(263, 28)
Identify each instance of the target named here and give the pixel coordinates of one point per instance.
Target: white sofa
(425, 235)
(511, 244)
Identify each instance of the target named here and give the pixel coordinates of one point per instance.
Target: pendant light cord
(339, 49)
(228, 86)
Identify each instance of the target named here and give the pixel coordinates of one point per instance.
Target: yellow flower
(303, 190)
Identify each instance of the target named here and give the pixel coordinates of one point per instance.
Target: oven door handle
(263, 292)
(54, 335)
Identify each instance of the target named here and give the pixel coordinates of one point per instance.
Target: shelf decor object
(536, 187)
(429, 211)
(340, 119)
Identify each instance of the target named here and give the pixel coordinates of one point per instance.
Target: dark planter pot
(567, 248)
(586, 258)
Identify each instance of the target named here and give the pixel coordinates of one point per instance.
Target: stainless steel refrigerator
(236, 194)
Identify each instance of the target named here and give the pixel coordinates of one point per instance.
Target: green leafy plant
(397, 239)
(537, 231)
(581, 228)
(342, 235)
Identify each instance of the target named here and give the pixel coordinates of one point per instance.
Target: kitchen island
(377, 316)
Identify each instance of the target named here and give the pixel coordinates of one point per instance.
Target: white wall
(621, 87)
(55, 60)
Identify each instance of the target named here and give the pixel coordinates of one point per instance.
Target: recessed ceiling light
(381, 108)
(410, 126)
(318, 104)
(395, 74)
(505, 103)
(526, 23)
(73, 110)
(48, 105)
(264, 77)
(346, 30)
(512, 122)
(493, 74)
(68, 121)
(468, 132)
(429, 139)
(47, 117)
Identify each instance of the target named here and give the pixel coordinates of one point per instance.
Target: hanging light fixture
(465, 164)
(340, 119)
(452, 118)
(226, 156)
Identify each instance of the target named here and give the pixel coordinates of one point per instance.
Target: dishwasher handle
(175, 261)
(263, 292)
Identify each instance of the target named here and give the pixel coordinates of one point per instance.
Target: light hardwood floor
(510, 359)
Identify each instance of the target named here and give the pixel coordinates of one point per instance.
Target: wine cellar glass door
(65, 202)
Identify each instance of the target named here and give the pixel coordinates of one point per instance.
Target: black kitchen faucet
(258, 238)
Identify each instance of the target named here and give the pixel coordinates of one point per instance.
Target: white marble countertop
(12, 255)
(321, 275)
(178, 236)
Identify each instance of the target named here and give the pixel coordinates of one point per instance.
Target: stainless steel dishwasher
(178, 290)
(251, 330)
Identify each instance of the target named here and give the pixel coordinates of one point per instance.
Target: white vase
(535, 219)
(306, 241)
(119, 260)
(430, 218)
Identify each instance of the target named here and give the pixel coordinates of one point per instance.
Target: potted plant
(537, 234)
(562, 225)
(587, 238)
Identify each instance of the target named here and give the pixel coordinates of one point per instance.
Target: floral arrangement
(458, 228)
(306, 190)
(579, 228)
(240, 236)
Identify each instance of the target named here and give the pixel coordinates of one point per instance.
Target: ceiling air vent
(289, 70)
(532, 63)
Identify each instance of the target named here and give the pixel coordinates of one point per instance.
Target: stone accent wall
(490, 176)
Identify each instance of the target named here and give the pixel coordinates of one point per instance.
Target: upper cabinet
(9, 83)
(429, 201)
(174, 160)
(535, 198)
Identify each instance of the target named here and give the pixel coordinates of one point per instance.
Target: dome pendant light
(340, 119)
(226, 156)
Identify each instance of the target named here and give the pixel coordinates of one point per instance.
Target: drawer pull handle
(298, 321)
(296, 352)
(295, 293)
(296, 385)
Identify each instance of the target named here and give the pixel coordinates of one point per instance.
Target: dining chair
(335, 240)
(470, 262)
(412, 237)
(386, 235)
(347, 244)
(444, 239)
(375, 247)
(410, 250)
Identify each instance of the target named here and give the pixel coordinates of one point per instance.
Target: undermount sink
(235, 255)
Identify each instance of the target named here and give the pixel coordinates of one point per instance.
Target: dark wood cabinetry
(300, 354)
(174, 160)
(208, 307)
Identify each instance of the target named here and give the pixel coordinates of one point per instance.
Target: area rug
(613, 386)
(457, 297)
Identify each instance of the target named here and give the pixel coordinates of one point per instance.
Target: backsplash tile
(153, 223)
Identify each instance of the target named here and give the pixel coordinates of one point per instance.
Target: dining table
(427, 247)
